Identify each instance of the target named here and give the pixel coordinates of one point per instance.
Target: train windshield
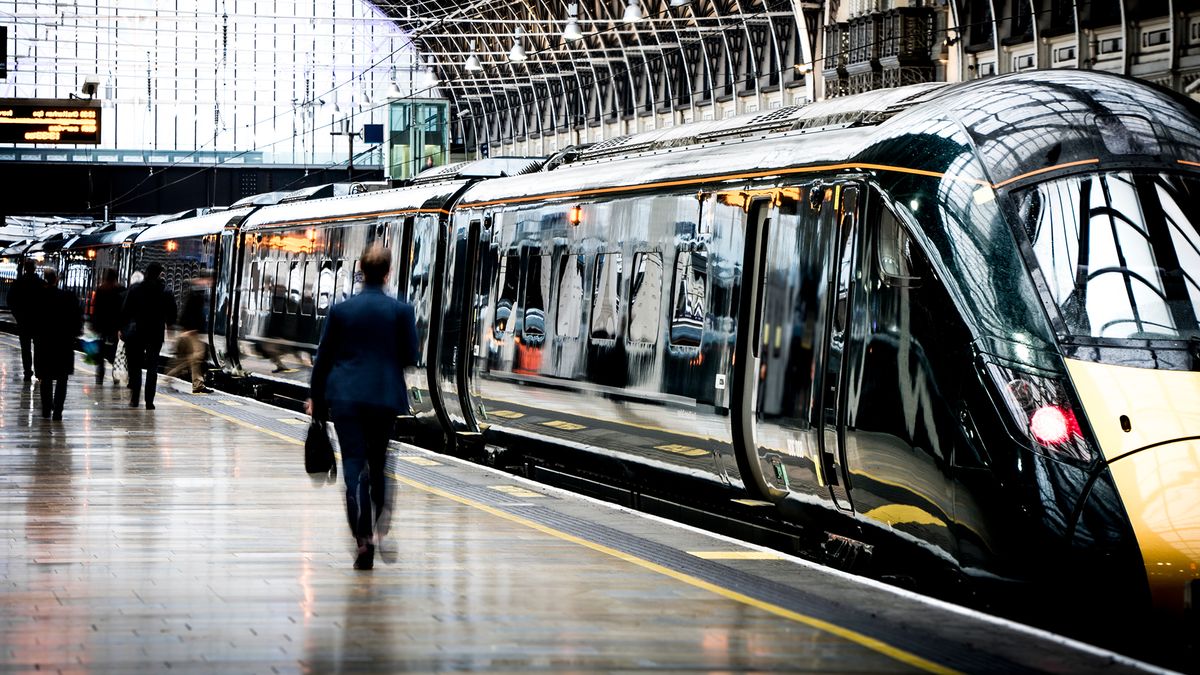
(1119, 252)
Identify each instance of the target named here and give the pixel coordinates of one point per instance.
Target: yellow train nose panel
(1160, 485)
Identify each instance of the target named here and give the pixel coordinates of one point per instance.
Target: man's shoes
(201, 390)
(45, 414)
(149, 406)
(133, 404)
(58, 416)
(283, 369)
(366, 557)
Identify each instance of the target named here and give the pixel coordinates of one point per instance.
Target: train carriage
(906, 316)
(300, 259)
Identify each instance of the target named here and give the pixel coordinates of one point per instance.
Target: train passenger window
(295, 287)
(606, 296)
(688, 301)
(510, 271)
(278, 290)
(537, 289)
(326, 287)
(308, 292)
(568, 312)
(645, 298)
(254, 289)
(898, 255)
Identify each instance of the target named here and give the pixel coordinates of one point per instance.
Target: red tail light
(1053, 425)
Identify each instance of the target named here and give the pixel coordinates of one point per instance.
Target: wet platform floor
(190, 539)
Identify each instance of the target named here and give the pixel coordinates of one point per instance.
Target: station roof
(452, 32)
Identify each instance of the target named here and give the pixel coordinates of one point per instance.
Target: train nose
(1147, 423)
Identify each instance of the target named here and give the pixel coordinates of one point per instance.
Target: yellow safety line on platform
(227, 418)
(845, 633)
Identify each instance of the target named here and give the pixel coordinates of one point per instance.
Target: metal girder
(677, 57)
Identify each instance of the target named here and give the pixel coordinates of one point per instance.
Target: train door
(839, 220)
(799, 270)
(223, 297)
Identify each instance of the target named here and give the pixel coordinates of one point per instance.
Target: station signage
(34, 120)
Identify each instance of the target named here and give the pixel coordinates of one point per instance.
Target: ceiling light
(680, 3)
(572, 33)
(633, 13)
(472, 65)
(517, 53)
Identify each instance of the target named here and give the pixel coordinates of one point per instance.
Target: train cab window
(899, 257)
(606, 296)
(533, 304)
(645, 298)
(688, 298)
(568, 312)
(510, 273)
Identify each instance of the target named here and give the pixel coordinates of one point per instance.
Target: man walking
(149, 307)
(22, 300)
(59, 324)
(358, 379)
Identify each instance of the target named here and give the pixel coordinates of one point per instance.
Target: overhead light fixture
(680, 3)
(472, 65)
(394, 91)
(517, 53)
(572, 33)
(633, 13)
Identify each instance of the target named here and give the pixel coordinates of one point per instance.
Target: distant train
(959, 321)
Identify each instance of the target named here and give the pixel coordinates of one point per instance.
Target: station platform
(190, 539)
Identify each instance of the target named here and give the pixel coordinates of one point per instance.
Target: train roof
(434, 197)
(209, 223)
(104, 237)
(1017, 125)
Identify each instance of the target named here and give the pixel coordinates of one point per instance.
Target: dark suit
(56, 332)
(358, 377)
(149, 307)
(23, 299)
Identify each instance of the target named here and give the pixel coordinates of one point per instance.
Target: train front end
(1116, 257)
(1100, 179)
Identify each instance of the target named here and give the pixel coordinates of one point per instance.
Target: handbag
(120, 361)
(318, 450)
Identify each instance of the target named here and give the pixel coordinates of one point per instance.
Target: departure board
(33, 120)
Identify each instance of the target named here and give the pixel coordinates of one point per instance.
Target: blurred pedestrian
(193, 319)
(106, 320)
(23, 298)
(358, 380)
(59, 323)
(149, 307)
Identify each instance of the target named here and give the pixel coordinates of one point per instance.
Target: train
(956, 323)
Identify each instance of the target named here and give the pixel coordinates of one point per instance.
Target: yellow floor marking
(234, 420)
(515, 491)
(751, 502)
(419, 461)
(736, 555)
(834, 629)
(682, 450)
(231, 402)
(565, 426)
(291, 420)
(845, 633)
(507, 414)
